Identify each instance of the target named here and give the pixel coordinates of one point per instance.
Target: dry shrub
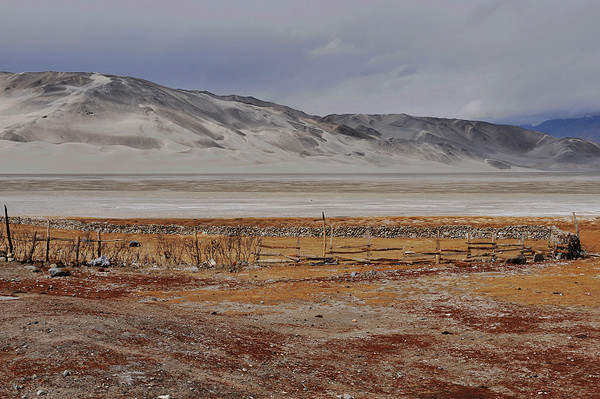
(61, 252)
(86, 248)
(170, 249)
(227, 252)
(115, 252)
(30, 245)
(25, 243)
(231, 253)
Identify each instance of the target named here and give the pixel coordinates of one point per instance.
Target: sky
(514, 61)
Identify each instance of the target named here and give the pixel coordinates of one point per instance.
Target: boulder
(517, 260)
(100, 262)
(58, 272)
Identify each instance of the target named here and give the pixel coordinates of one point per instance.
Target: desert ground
(307, 330)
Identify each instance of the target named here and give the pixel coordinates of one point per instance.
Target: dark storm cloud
(519, 60)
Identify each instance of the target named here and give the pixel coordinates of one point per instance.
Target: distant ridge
(586, 128)
(89, 122)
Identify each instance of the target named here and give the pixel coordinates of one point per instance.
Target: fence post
(324, 235)
(77, 243)
(368, 235)
(298, 247)
(33, 245)
(331, 240)
(196, 246)
(438, 257)
(522, 241)
(99, 244)
(48, 241)
(468, 244)
(258, 248)
(10, 244)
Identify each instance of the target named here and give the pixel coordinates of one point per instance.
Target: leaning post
(10, 244)
(77, 244)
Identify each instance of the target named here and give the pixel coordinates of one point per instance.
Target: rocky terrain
(89, 122)
(486, 330)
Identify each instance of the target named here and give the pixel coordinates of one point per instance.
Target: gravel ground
(483, 331)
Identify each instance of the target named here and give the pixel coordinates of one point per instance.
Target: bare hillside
(87, 122)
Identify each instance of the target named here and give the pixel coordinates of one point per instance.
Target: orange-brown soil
(389, 331)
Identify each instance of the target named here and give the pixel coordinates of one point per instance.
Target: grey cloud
(516, 60)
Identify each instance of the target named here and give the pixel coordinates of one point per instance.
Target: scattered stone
(32, 268)
(372, 272)
(539, 258)
(447, 333)
(3, 259)
(517, 260)
(353, 274)
(8, 298)
(53, 265)
(581, 336)
(57, 272)
(10, 259)
(66, 373)
(319, 316)
(41, 393)
(100, 262)
(164, 396)
(134, 244)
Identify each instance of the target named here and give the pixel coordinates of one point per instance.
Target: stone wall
(535, 232)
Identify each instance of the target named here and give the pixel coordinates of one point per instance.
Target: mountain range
(59, 122)
(587, 128)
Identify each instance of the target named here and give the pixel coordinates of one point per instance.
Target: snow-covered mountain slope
(89, 122)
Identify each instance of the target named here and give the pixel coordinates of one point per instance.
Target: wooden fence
(438, 251)
(469, 250)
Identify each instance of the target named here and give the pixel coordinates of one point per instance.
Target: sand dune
(89, 122)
